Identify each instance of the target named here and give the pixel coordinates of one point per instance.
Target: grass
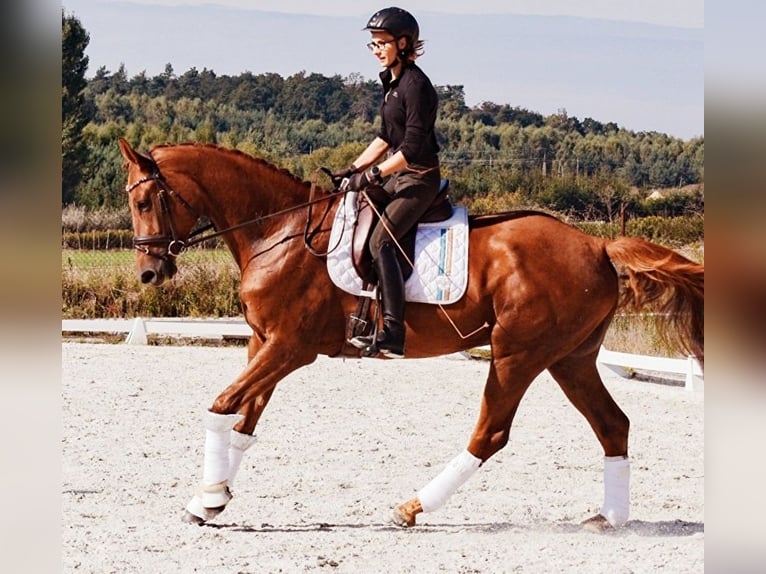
(638, 334)
(126, 258)
(105, 284)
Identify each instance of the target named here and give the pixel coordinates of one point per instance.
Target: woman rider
(409, 170)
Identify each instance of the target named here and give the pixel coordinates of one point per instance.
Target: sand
(344, 441)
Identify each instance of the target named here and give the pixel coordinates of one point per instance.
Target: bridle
(177, 245)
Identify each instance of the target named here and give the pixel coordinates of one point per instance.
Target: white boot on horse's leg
(616, 508)
(240, 442)
(433, 495)
(214, 493)
(216, 468)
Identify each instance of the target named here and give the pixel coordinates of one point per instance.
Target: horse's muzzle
(157, 271)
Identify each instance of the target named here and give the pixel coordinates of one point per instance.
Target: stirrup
(367, 344)
(362, 341)
(373, 345)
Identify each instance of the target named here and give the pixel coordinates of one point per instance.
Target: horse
(540, 293)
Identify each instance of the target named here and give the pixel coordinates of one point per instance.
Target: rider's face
(384, 48)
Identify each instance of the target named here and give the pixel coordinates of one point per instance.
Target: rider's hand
(357, 182)
(337, 177)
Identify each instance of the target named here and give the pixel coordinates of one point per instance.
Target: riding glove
(338, 176)
(358, 181)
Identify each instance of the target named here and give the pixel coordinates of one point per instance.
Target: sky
(680, 13)
(640, 65)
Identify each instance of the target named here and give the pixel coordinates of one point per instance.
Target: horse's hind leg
(506, 384)
(578, 377)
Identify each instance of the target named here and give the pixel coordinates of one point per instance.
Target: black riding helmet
(397, 22)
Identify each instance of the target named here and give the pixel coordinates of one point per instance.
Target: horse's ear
(132, 156)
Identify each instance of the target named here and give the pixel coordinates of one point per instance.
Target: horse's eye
(144, 205)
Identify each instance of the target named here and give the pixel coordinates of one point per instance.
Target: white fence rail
(620, 363)
(138, 329)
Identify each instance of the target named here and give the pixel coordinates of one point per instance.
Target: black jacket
(408, 115)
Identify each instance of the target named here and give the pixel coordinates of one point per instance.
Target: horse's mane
(235, 153)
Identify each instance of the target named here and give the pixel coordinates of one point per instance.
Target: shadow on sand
(662, 528)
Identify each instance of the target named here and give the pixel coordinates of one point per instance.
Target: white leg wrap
(433, 495)
(616, 506)
(217, 439)
(239, 444)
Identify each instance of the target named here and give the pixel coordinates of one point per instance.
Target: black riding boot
(390, 340)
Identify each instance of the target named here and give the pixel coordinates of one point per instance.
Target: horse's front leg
(229, 426)
(242, 434)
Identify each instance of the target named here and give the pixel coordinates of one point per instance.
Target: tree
(451, 102)
(493, 153)
(74, 63)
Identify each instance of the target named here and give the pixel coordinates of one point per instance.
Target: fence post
(690, 364)
(137, 335)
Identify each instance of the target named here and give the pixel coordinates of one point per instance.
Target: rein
(177, 246)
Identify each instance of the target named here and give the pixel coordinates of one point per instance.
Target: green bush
(673, 232)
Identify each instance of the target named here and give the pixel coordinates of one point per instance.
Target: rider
(409, 172)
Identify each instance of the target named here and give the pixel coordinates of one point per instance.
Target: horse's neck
(243, 197)
(263, 205)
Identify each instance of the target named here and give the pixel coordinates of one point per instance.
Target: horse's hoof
(189, 518)
(198, 513)
(597, 524)
(400, 519)
(404, 514)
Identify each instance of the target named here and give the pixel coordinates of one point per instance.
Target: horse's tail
(671, 284)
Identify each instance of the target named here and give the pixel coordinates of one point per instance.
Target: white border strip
(137, 330)
(620, 362)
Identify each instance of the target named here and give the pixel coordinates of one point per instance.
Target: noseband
(175, 246)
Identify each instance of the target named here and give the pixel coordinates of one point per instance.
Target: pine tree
(74, 63)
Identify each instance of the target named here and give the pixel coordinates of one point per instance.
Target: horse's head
(162, 220)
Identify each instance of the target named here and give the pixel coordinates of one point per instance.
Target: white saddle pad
(441, 256)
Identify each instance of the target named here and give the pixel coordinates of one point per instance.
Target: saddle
(363, 321)
(439, 210)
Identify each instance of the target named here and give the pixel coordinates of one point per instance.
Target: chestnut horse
(541, 293)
